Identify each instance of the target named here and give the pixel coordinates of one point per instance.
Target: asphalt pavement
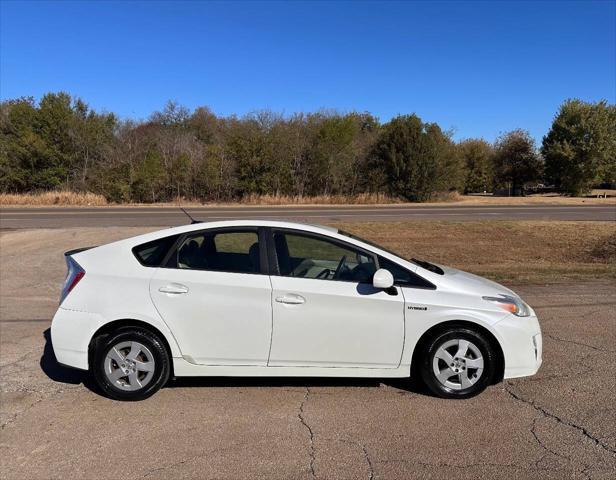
(557, 424)
(60, 217)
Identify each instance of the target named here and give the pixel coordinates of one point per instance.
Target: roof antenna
(192, 220)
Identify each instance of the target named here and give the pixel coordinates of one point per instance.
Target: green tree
(417, 159)
(60, 142)
(22, 150)
(150, 179)
(55, 120)
(451, 171)
(580, 148)
(249, 144)
(332, 154)
(477, 156)
(93, 138)
(516, 161)
(51, 144)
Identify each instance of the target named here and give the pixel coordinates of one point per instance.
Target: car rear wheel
(130, 364)
(458, 363)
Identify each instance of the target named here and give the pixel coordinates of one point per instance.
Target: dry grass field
(86, 199)
(59, 198)
(513, 252)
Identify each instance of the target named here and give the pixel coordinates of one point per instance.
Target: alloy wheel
(458, 364)
(129, 366)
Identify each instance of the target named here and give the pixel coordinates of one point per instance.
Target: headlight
(510, 304)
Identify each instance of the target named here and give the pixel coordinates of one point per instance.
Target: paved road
(11, 218)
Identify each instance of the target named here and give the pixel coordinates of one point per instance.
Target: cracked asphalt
(560, 423)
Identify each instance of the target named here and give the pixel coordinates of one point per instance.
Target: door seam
(403, 326)
(162, 319)
(269, 353)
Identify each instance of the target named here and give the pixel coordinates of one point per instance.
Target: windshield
(422, 263)
(369, 242)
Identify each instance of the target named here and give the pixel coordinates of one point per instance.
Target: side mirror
(383, 279)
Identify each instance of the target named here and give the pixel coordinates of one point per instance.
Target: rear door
(326, 312)
(216, 298)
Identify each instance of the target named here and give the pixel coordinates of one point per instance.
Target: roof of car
(254, 222)
(248, 222)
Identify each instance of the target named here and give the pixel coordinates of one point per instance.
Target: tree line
(62, 143)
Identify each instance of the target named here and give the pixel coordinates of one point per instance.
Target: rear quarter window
(152, 254)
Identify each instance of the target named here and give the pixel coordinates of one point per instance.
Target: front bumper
(522, 344)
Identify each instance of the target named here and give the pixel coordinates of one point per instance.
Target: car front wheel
(458, 363)
(130, 364)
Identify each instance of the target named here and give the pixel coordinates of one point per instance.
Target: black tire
(155, 347)
(440, 339)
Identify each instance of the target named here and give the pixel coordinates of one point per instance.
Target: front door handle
(291, 299)
(174, 288)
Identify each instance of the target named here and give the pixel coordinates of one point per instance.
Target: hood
(471, 284)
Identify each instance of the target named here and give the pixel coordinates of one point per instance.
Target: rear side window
(227, 251)
(153, 253)
(404, 277)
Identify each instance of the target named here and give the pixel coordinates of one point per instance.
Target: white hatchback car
(269, 298)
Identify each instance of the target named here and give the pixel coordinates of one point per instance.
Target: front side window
(305, 256)
(228, 251)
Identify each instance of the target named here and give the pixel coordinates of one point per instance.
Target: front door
(215, 299)
(326, 312)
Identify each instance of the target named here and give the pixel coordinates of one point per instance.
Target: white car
(270, 298)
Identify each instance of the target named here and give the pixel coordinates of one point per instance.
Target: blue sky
(479, 68)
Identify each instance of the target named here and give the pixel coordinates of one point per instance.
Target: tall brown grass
(67, 198)
(52, 198)
(359, 199)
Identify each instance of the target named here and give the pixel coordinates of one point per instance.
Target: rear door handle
(291, 299)
(174, 288)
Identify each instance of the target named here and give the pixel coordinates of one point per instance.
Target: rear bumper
(522, 345)
(71, 332)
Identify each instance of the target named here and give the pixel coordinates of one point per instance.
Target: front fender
(419, 317)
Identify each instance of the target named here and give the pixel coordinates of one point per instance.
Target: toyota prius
(270, 298)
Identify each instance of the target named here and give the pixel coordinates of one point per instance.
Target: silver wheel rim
(129, 366)
(458, 364)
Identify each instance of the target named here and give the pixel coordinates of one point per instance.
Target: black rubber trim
(266, 241)
(71, 367)
(77, 250)
(170, 253)
(274, 269)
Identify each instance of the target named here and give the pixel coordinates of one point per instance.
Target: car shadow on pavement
(405, 385)
(59, 373)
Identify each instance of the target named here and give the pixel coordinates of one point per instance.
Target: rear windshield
(153, 253)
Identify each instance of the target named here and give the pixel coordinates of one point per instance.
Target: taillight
(76, 279)
(73, 275)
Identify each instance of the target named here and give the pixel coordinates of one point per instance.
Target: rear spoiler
(77, 250)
